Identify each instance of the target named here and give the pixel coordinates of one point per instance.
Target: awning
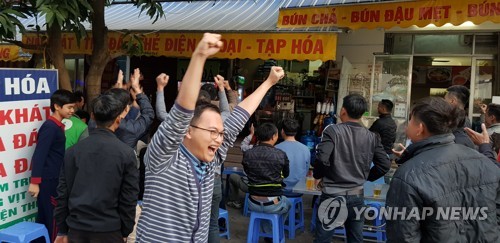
(388, 15)
(233, 15)
(13, 53)
(262, 45)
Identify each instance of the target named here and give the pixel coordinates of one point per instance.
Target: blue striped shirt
(175, 209)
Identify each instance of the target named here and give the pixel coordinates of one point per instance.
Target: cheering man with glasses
(182, 156)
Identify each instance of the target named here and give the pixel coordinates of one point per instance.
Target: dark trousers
(46, 202)
(80, 236)
(213, 232)
(353, 226)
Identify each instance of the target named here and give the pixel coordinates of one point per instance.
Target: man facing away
(458, 96)
(298, 155)
(99, 182)
(184, 152)
(385, 126)
(343, 160)
(266, 166)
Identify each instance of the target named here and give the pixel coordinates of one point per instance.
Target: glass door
(391, 77)
(483, 72)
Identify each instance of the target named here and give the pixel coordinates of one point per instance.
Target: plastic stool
(223, 214)
(246, 211)
(254, 233)
(314, 214)
(24, 232)
(377, 222)
(293, 224)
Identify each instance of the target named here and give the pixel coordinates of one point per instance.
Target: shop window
(398, 43)
(443, 44)
(486, 44)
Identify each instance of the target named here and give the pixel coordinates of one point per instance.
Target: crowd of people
(89, 177)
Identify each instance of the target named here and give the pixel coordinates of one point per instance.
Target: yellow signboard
(12, 53)
(283, 46)
(388, 15)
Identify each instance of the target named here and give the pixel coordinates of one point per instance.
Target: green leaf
(49, 18)
(39, 3)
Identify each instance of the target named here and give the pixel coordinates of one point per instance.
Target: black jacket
(265, 166)
(98, 186)
(438, 173)
(344, 155)
(386, 127)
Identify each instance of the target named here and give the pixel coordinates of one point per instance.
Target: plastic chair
(225, 231)
(376, 231)
(246, 211)
(294, 224)
(24, 232)
(254, 233)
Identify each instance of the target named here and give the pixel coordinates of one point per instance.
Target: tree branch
(23, 45)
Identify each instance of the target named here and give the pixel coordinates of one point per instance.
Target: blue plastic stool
(24, 232)
(254, 233)
(246, 211)
(314, 214)
(377, 222)
(294, 224)
(223, 214)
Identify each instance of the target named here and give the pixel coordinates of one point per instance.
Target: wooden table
(368, 191)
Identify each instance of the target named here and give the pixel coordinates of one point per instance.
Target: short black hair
(494, 110)
(387, 104)
(439, 116)
(266, 131)
(61, 97)
(121, 95)
(106, 108)
(355, 105)
(210, 88)
(78, 95)
(201, 106)
(290, 127)
(204, 95)
(83, 115)
(460, 92)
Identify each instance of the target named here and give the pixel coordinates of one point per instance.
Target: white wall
(358, 46)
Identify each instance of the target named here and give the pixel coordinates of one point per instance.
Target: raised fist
(162, 80)
(209, 45)
(276, 74)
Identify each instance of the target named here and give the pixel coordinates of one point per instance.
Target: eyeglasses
(214, 134)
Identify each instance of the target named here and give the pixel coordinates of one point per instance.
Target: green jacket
(75, 130)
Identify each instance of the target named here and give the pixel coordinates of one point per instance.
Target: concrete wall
(358, 46)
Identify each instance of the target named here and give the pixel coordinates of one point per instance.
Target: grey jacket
(438, 174)
(131, 130)
(344, 155)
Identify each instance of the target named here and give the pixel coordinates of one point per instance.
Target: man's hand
(61, 239)
(276, 74)
(219, 80)
(33, 190)
(227, 86)
(209, 45)
(478, 138)
(483, 108)
(162, 81)
(398, 153)
(119, 81)
(134, 81)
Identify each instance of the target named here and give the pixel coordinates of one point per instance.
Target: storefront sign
(288, 46)
(24, 106)
(388, 15)
(13, 53)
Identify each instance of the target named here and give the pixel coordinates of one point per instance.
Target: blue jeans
(353, 226)
(213, 232)
(281, 208)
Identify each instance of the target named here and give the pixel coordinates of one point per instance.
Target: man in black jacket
(458, 96)
(385, 126)
(343, 160)
(99, 182)
(266, 166)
